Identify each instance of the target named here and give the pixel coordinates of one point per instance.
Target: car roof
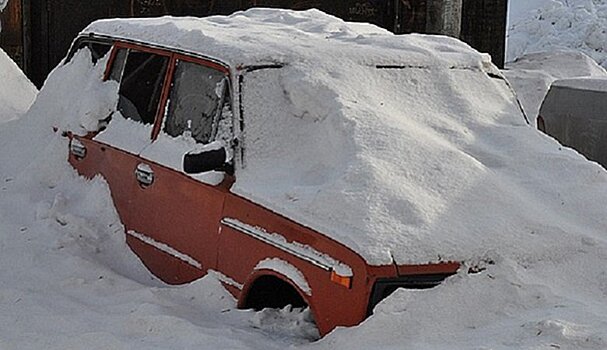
(274, 36)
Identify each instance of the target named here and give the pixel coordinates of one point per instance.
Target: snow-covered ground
(68, 281)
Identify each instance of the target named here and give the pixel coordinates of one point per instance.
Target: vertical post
(397, 19)
(444, 17)
(27, 36)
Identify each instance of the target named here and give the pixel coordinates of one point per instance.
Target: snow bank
(548, 25)
(17, 93)
(532, 74)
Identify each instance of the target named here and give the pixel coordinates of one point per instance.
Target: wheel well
(272, 292)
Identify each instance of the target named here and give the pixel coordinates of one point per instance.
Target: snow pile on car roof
(265, 36)
(17, 93)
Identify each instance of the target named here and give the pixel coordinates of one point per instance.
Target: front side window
(195, 102)
(141, 82)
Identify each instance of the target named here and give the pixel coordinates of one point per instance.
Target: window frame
(86, 40)
(173, 57)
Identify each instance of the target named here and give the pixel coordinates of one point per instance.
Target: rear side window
(195, 102)
(97, 47)
(141, 76)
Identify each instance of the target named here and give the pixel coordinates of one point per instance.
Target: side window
(196, 101)
(98, 49)
(141, 76)
(118, 65)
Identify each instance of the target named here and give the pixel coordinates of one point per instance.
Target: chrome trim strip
(163, 247)
(226, 279)
(260, 235)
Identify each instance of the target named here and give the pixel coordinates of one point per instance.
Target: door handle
(144, 174)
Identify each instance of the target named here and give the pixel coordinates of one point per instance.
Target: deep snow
(68, 280)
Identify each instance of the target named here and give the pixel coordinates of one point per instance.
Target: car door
(168, 104)
(182, 211)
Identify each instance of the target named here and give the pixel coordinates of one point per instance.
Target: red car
(173, 152)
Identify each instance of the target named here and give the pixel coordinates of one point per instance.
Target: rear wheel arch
(273, 282)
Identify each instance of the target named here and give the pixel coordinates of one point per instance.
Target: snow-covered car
(573, 112)
(295, 155)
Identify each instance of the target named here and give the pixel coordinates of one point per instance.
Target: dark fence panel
(12, 31)
(484, 27)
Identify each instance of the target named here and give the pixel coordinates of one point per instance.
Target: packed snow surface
(17, 93)
(469, 174)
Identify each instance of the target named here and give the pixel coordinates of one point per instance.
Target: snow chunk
(91, 100)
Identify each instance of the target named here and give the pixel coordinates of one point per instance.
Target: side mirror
(201, 162)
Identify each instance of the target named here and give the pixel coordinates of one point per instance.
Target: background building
(37, 33)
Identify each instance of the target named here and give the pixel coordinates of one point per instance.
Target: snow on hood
(17, 93)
